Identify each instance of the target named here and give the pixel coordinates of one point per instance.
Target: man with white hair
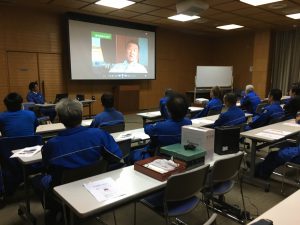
(250, 100)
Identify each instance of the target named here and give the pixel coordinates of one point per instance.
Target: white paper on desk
(275, 131)
(124, 136)
(140, 136)
(161, 165)
(27, 152)
(153, 114)
(292, 124)
(205, 121)
(104, 189)
(269, 135)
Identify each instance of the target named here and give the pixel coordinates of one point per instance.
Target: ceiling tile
(163, 13)
(231, 6)
(218, 2)
(248, 11)
(221, 16)
(98, 9)
(210, 12)
(160, 3)
(145, 17)
(141, 8)
(69, 3)
(124, 13)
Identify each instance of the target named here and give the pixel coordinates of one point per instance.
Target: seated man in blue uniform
(270, 112)
(233, 116)
(214, 104)
(165, 132)
(250, 101)
(277, 158)
(110, 116)
(292, 105)
(15, 121)
(75, 147)
(34, 95)
(163, 103)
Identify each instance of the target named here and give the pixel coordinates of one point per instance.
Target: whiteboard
(210, 76)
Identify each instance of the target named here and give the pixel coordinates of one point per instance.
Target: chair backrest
(276, 120)
(184, 185)
(7, 144)
(114, 128)
(227, 139)
(226, 169)
(125, 146)
(260, 106)
(212, 112)
(70, 175)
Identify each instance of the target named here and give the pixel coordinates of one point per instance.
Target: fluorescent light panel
(183, 17)
(118, 4)
(230, 27)
(259, 2)
(295, 16)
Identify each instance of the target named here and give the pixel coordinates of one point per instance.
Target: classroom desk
(49, 130)
(210, 120)
(154, 115)
(85, 103)
(285, 212)
(134, 184)
(267, 135)
(136, 135)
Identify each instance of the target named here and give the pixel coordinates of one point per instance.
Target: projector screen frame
(107, 22)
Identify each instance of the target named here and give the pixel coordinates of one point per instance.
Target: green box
(178, 151)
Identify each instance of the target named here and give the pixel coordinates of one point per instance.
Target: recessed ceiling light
(118, 4)
(229, 27)
(183, 17)
(259, 2)
(295, 16)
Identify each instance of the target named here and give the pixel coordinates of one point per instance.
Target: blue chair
(11, 170)
(221, 180)
(179, 196)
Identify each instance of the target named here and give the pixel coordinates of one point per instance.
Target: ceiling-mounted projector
(191, 7)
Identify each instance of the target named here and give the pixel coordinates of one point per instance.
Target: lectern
(127, 98)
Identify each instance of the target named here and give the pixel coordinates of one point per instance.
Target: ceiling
(155, 12)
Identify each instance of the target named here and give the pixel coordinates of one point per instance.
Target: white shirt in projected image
(125, 67)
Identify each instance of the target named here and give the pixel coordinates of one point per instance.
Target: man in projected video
(131, 64)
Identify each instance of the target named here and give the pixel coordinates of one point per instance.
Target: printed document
(104, 189)
(27, 152)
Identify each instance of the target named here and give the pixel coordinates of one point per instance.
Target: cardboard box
(201, 137)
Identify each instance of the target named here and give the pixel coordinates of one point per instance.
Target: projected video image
(113, 52)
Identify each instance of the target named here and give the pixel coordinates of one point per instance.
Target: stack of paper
(162, 165)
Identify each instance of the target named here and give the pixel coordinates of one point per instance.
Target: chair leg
(134, 214)
(243, 200)
(115, 219)
(65, 213)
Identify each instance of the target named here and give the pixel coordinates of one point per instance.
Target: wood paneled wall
(236, 51)
(43, 34)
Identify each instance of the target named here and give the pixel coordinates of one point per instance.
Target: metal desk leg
(24, 210)
(250, 178)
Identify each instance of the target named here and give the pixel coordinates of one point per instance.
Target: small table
(267, 135)
(88, 103)
(285, 212)
(155, 115)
